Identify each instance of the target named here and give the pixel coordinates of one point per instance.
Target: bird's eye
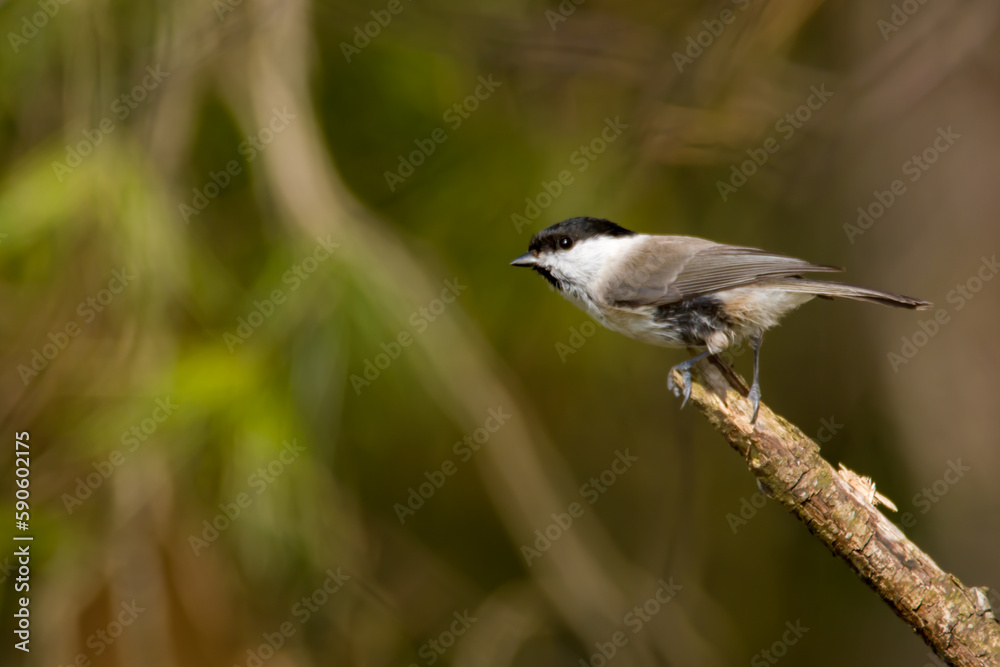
(565, 243)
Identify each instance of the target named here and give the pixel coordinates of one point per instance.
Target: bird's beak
(527, 259)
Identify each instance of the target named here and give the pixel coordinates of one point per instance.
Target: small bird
(682, 291)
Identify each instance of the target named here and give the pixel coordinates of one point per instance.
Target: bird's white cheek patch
(584, 262)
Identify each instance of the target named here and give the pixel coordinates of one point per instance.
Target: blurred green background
(288, 404)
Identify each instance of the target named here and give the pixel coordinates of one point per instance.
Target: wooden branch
(956, 621)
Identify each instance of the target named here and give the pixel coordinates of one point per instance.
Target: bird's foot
(684, 368)
(685, 389)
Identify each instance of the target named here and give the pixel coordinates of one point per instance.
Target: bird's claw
(685, 370)
(684, 389)
(687, 387)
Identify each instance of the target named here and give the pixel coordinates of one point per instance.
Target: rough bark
(956, 621)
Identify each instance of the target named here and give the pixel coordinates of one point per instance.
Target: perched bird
(682, 291)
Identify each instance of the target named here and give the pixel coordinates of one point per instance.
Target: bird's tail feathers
(830, 289)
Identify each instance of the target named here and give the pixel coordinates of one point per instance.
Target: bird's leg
(754, 395)
(685, 370)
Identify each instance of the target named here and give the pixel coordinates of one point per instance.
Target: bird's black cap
(576, 229)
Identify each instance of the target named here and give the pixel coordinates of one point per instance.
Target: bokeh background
(253, 262)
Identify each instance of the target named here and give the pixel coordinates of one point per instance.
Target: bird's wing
(684, 268)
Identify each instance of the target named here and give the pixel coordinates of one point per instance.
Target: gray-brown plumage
(682, 291)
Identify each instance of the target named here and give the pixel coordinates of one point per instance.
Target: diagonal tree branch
(956, 621)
